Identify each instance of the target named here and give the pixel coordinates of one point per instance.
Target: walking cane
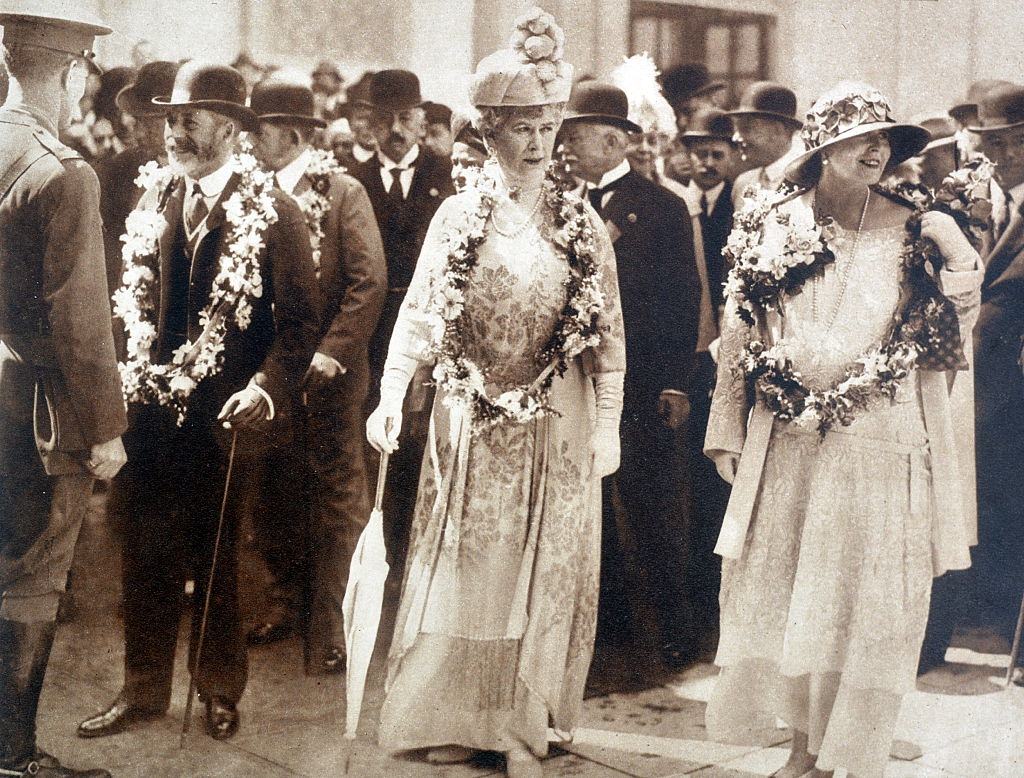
(1015, 651)
(206, 600)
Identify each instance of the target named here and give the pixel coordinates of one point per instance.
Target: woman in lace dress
(496, 622)
(825, 598)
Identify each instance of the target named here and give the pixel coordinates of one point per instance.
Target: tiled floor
(965, 723)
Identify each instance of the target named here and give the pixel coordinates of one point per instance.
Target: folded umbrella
(362, 604)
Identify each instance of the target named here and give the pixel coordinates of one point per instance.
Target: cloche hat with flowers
(530, 72)
(847, 111)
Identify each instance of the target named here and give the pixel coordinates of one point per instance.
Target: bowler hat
(1001, 108)
(594, 101)
(282, 101)
(769, 100)
(437, 113)
(217, 88)
(847, 111)
(690, 80)
(154, 79)
(394, 90)
(967, 111)
(48, 24)
(709, 124)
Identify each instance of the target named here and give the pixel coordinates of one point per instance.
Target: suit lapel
(1005, 249)
(420, 176)
(173, 230)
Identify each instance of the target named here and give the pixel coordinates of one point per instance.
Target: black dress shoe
(269, 632)
(117, 718)
(221, 718)
(44, 765)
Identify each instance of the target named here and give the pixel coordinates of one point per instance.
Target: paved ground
(965, 724)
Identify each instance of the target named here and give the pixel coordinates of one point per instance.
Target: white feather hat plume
(637, 76)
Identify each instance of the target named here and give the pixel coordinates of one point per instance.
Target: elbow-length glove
(385, 423)
(608, 397)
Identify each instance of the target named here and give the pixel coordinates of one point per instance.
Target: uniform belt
(35, 349)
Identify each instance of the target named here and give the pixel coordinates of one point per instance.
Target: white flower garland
(249, 212)
(463, 382)
(315, 202)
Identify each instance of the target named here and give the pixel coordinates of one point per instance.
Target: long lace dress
(823, 615)
(496, 622)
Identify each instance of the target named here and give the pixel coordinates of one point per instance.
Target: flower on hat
(841, 109)
(637, 76)
(538, 39)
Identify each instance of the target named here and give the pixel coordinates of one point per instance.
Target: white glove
(726, 463)
(955, 248)
(608, 398)
(385, 423)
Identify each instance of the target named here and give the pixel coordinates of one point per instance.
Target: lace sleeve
(727, 427)
(610, 354)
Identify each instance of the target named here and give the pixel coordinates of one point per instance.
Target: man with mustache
(180, 485)
(61, 408)
(406, 183)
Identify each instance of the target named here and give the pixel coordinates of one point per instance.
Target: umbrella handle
(382, 474)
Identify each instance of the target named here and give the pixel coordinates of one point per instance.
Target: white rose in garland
(249, 212)
(315, 202)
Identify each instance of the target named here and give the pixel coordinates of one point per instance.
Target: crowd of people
(642, 369)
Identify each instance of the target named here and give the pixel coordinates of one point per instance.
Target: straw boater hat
(209, 87)
(530, 72)
(637, 76)
(847, 111)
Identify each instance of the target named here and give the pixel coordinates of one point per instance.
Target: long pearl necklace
(517, 229)
(844, 279)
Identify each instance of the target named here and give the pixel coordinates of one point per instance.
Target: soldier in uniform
(61, 408)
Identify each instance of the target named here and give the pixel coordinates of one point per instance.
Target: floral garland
(315, 202)
(463, 381)
(249, 212)
(924, 331)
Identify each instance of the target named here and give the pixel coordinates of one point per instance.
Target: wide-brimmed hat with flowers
(846, 111)
(530, 72)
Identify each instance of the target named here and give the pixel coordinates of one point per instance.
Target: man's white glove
(608, 399)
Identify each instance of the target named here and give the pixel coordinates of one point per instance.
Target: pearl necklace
(845, 276)
(518, 229)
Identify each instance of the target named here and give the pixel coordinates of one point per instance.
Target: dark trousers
(645, 528)
(710, 498)
(172, 493)
(313, 507)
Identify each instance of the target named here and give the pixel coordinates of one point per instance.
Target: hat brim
(962, 110)
(995, 128)
(129, 101)
(709, 88)
(790, 121)
(939, 143)
(605, 118)
(231, 110)
(390, 107)
(693, 137)
(905, 141)
(291, 118)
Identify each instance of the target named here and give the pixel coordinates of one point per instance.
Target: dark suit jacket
(998, 382)
(353, 272)
(404, 229)
(54, 310)
(716, 228)
(276, 348)
(658, 283)
(118, 197)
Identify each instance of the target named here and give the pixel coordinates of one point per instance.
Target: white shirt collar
(289, 176)
(213, 184)
(614, 174)
(406, 162)
(361, 153)
(711, 195)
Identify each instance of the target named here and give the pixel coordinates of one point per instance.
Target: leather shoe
(269, 632)
(221, 718)
(334, 661)
(117, 718)
(43, 765)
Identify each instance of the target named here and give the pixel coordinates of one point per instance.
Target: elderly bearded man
(182, 461)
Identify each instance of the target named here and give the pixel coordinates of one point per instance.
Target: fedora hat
(709, 124)
(1001, 108)
(283, 101)
(154, 79)
(209, 87)
(49, 24)
(394, 90)
(690, 80)
(594, 101)
(848, 111)
(942, 130)
(768, 100)
(967, 111)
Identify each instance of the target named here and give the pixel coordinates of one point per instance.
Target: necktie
(197, 211)
(704, 204)
(395, 194)
(595, 193)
